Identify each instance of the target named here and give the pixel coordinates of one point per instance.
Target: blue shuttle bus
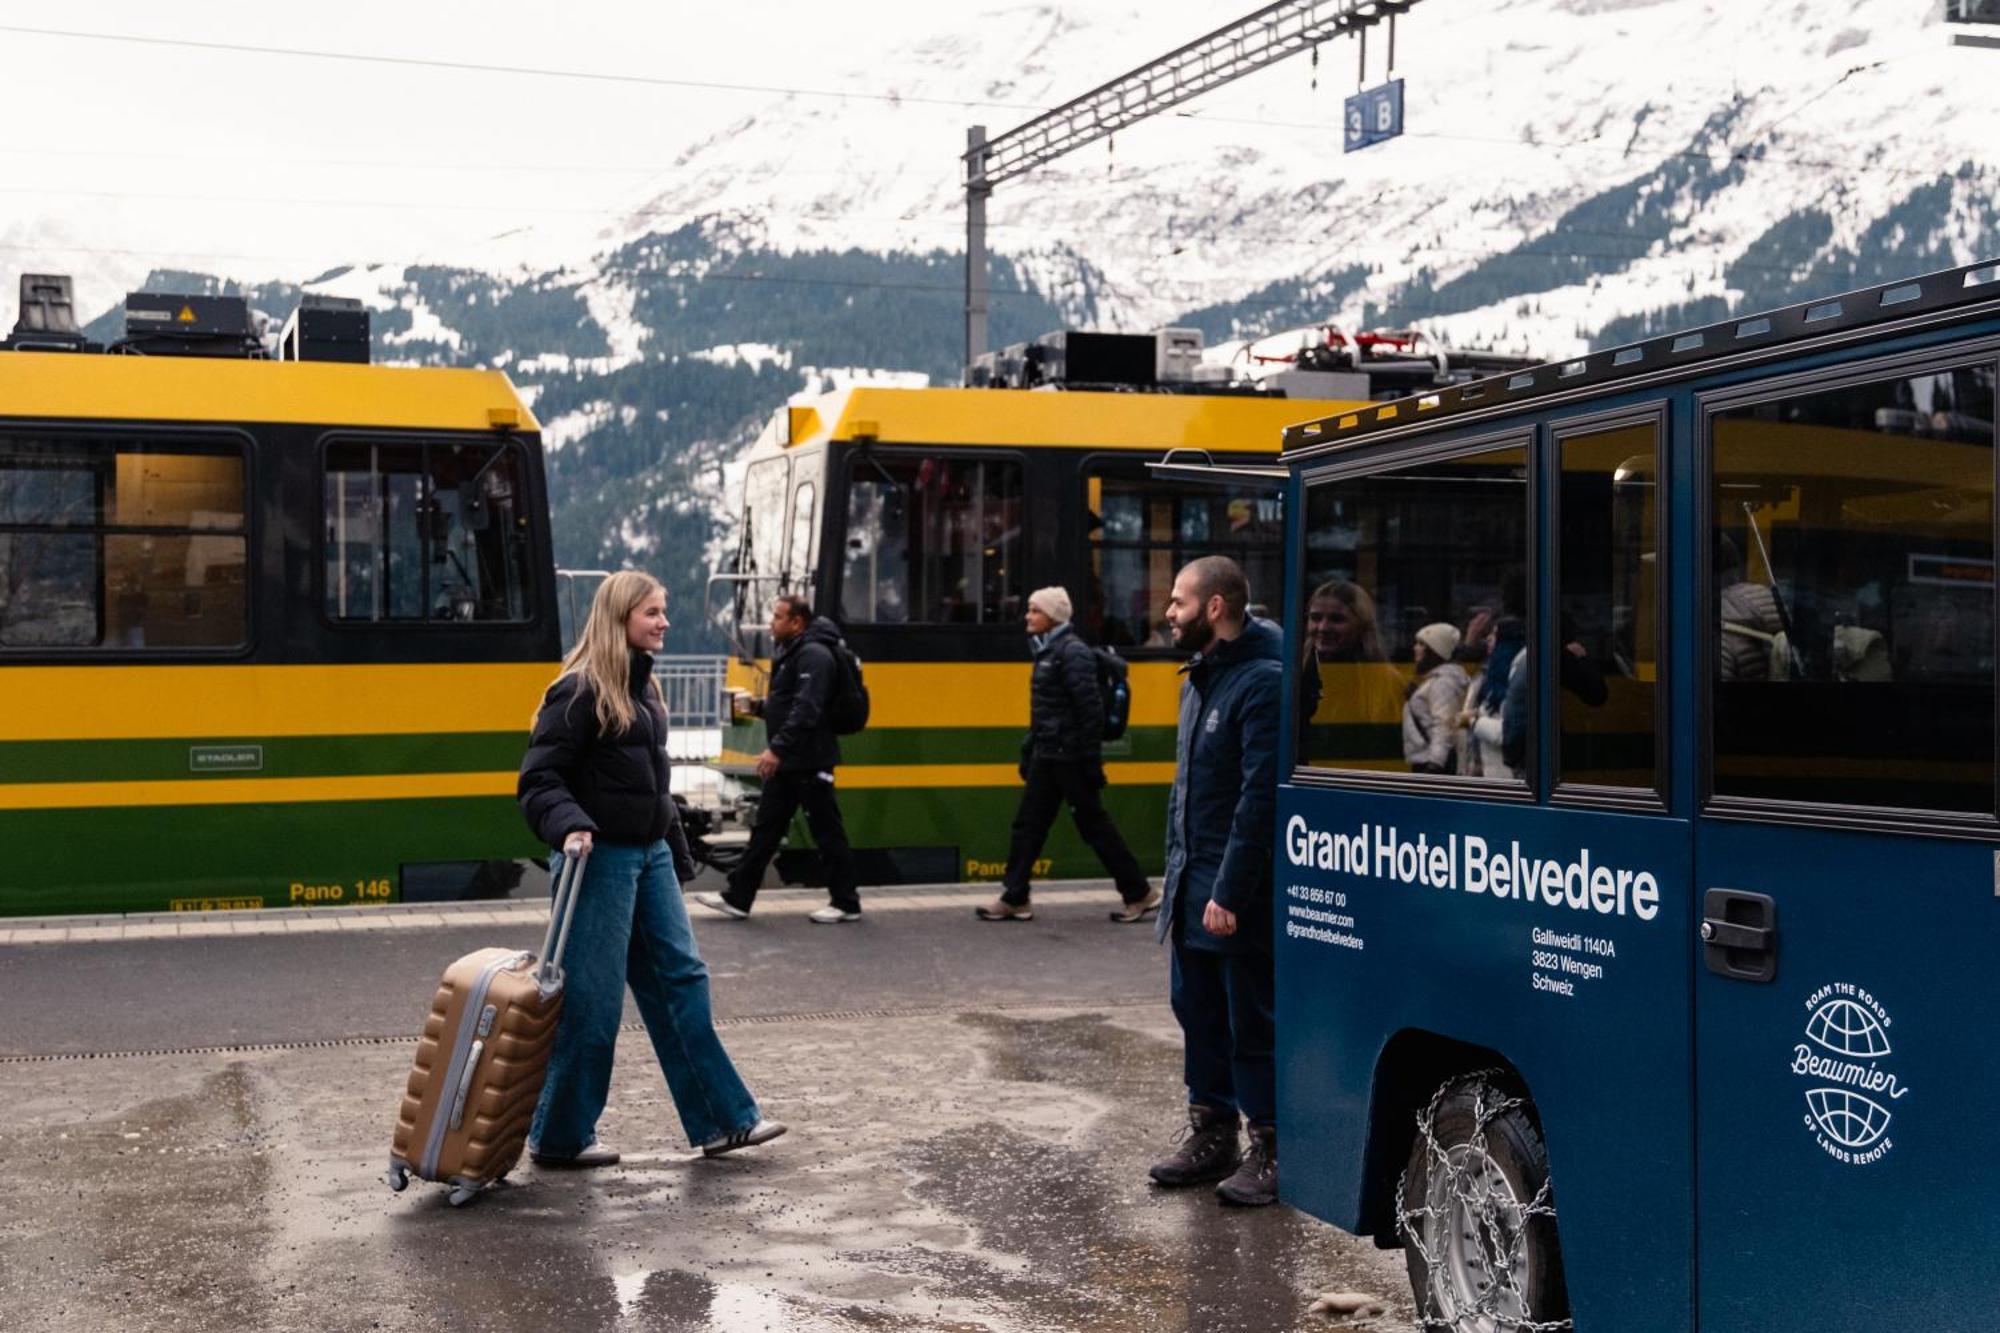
(1652, 994)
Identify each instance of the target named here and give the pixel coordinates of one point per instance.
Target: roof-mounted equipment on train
(47, 318)
(326, 328)
(1317, 362)
(1973, 22)
(173, 324)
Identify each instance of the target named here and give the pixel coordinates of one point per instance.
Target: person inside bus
(1062, 761)
(800, 754)
(1216, 909)
(1436, 694)
(1481, 718)
(1753, 644)
(1341, 632)
(594, 783)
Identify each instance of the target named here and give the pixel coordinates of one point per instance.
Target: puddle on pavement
(981, 1174)
(124, 1216)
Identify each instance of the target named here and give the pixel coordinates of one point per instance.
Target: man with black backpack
(1074, 694)
(815, 694)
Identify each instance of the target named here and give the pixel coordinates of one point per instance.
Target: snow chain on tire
(1502, 1221)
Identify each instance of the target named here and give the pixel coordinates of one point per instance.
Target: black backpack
(1115, 688)
(847, 706)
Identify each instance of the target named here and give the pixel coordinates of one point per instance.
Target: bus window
(1851, 536)
(1144, 529)
(1437, 549)
(425, 532)
(1609, 607)
(126, 544)
(933, 540)
(764, 487)
(799, 561)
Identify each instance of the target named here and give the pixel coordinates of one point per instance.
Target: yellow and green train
(271, 632)
(920, 520)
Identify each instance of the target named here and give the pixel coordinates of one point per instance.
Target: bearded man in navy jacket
(1217, 906)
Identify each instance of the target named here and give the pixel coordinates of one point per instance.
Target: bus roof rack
(1668, 355)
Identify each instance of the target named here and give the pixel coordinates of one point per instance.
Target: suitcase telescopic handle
(569, 881)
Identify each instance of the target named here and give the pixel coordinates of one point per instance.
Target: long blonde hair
(603, 655)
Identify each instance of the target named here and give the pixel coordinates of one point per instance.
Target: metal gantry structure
(1262, 38)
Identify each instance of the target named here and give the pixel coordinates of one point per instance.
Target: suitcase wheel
(463, 1194)
(398, 1178)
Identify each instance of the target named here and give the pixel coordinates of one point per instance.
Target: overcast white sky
(218, 159)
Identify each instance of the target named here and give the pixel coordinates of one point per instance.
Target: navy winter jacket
(1224, 803)
(1066, 712)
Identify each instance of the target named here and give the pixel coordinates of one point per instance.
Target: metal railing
(695, 689)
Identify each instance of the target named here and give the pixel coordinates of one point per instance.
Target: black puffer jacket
(1066, 712)
(802, 684)
(613, 787)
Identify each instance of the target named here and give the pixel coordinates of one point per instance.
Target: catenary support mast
(1249, 44)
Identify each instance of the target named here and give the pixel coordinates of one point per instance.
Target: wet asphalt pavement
(970, 1155)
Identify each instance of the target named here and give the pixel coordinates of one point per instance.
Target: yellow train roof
(1027, 418)
(81, 386)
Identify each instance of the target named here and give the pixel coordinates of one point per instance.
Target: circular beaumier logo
(1851, 1094)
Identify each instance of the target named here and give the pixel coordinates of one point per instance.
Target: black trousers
(1050, 783)
(784, 793)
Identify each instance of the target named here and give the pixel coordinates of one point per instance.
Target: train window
(799, 559)
(1851, 535)
(121, 544)
(933, 540)
(1609, 607)
(1415, 643)
(1143, 530)
(425, 532)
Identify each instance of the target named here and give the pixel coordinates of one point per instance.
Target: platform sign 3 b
(1375, 114)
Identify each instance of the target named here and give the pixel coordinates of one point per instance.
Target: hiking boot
(1208, 1149)
(1131, 914)
(1256, 1181)
(717, 902)
(1002, 910)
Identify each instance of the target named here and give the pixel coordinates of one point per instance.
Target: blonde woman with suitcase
(594, 781)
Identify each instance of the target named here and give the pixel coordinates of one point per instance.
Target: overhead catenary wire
(529, 71)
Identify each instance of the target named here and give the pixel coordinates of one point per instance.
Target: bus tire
(1477, 1215)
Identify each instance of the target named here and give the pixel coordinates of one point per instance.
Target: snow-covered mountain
(1575, 172)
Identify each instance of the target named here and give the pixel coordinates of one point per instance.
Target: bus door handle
(1739, 934)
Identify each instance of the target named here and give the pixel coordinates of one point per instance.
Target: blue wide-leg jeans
(630, 926)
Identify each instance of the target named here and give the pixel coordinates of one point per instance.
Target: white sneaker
(715, 902)
(831, 916)
(761, 1132)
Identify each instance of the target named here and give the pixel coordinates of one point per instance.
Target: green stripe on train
(975, 823)
(258, 756)
(962, 745)
(145, 858)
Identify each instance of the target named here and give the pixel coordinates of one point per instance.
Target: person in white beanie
(1062, 761)
(1430, 711)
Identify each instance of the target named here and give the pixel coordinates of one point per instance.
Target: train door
(1845, 855)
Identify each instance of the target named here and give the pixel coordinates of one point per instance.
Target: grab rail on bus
(742, 645)
(566, 582)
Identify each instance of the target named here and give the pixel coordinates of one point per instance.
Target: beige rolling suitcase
(482, 1058)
